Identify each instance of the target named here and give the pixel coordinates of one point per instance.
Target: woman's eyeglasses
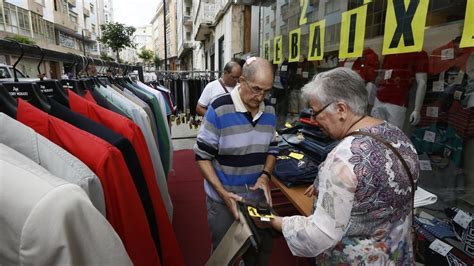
(314, 114)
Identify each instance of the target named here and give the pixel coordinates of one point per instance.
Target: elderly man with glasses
(225, 84)
(235, 151)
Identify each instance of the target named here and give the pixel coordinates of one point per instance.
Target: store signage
(404, 26)
(304, 9)
(266, 50)
(353, 32)
(294, 40)
(405, 22)
(467, 39)
(277, 50)
(316, 40)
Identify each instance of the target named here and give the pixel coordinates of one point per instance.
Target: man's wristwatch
(267, 174)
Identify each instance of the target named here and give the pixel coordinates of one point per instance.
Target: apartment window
(267, 19)
(55, 5)
(73, 17)
(188, 36)
(106, 18)
(92, 8)
(64, 7)
(93, 27)
(188, 11)
(331, 6)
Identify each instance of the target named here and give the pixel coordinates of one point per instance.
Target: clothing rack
(174, 74)
(11, 48)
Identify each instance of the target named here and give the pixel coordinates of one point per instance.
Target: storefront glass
(415, 56)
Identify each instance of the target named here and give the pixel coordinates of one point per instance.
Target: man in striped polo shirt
(235, 151)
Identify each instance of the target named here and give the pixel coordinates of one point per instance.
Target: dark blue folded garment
(294, 172)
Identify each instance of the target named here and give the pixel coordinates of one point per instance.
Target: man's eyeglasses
(257, 90)
(314, 114)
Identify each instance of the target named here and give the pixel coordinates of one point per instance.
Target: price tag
(299, 70)
(305, 74)
(284, 68)
(430, 136)
(438, 86)
(457, 95)
(297, 156)
(463, 219)
(459, 78)
(388, 74)
(425, 165)
(432, 111)
(288, 125)
(440, 247)
(447, 54)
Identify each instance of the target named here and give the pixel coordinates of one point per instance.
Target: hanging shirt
(48, 221)
(141, 119)
(127, 151)
(88, 96)
(400, 73)
(52, 157)
(124, 210)
(164, 139)
(132, 132)
(440, 61)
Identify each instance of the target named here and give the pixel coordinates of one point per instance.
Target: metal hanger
(51, 88)
(27, 91)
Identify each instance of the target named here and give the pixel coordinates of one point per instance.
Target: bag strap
(404, 163)
(222, 84)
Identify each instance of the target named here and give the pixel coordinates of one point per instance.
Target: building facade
(184, 34)
(69, 26)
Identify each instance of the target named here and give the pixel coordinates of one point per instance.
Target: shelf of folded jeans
(296, 196)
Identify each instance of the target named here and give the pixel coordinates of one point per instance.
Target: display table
(296, 196)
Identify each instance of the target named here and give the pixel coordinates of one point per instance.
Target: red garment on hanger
(403, 68)
(124, 210)
(171, 253)
(461, 55)
(88, 96)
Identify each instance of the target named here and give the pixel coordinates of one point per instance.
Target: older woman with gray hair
(363, 211)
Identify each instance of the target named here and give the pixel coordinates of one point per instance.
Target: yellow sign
(316, 40)
(254, 213)
(304, 9)
(467, 39)
(294, 40)
(352, 32)
(297, 156)
(266, 50)
(278, 50)
(404, 26)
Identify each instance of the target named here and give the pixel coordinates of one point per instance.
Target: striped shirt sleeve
(207, 141)
(273, 148)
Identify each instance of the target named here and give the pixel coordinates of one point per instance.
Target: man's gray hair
(256, 65)
(338, 85)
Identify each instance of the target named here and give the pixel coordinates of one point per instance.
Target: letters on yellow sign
(467, 39)
(352, 32)
(278, 50)
(294, 40)
(266, 50)
(404, 26)
(404, 31)
(316, 40)
(304, 8)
